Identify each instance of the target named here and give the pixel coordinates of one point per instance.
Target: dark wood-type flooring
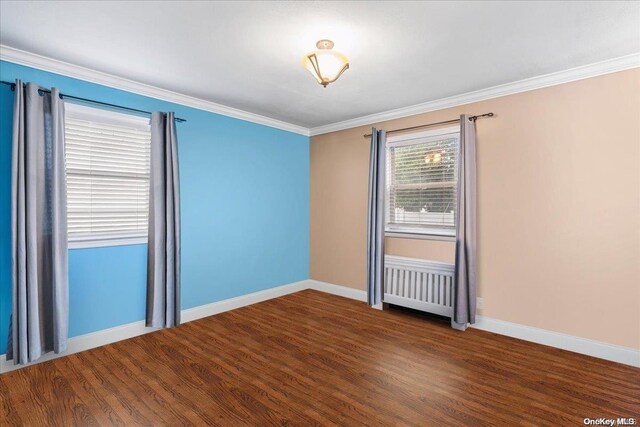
(315, 359)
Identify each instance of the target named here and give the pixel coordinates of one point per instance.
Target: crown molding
(40, 62)
(584, 72)
(70, 70)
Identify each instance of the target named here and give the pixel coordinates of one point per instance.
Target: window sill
(420, 236)
(106, 242)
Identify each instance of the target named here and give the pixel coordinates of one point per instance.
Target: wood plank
(316, 359)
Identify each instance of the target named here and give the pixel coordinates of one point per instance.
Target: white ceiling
(248, 55)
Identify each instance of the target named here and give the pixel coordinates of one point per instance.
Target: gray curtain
(464, 306)
(39, 320)
(375, 220)
(163, 260)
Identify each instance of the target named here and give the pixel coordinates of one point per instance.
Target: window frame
(89, 113)
(407, 139)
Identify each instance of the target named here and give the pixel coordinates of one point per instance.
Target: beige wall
(558, 207)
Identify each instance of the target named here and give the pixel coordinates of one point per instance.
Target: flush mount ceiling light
(324, 64)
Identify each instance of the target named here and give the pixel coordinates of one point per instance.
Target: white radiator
(419, 284)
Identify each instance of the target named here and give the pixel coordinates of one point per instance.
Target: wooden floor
(315, 359)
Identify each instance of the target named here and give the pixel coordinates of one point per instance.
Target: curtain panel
(163, 260)
(464, 304)
(40, 306)
(375, 219)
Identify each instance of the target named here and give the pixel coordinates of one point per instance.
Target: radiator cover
(419, 284)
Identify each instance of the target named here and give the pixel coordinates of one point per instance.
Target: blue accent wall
(245, 213)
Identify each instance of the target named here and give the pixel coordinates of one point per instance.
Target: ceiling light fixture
(324, 64)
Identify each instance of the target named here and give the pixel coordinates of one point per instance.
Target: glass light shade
(326, 65)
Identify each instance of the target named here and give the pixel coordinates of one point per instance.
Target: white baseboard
(130, 330)
(615, 353)
(342, 291)
(85, 342)
(602, 350)
(232, 303)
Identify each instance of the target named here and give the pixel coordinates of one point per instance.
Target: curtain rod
(446, 122)
(91, 101)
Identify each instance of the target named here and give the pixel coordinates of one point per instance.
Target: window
(421, 182)
(107, 160)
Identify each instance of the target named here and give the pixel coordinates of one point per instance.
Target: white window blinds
(107, 161)
(422, 182)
